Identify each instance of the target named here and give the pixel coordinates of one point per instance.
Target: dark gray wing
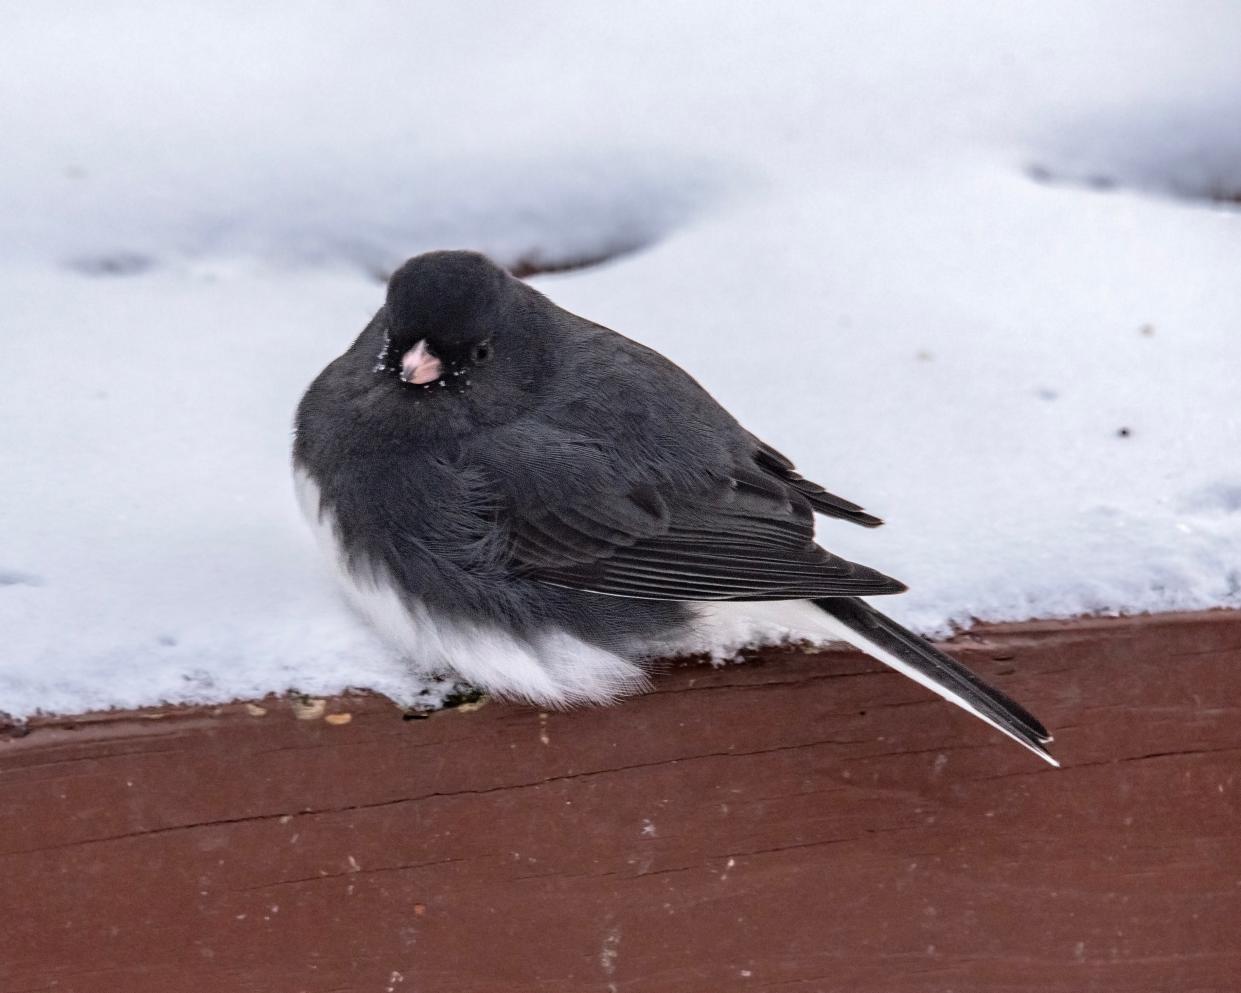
(742, 535)
(825, 503)
(629, 479)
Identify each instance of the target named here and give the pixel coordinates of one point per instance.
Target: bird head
(447, 317)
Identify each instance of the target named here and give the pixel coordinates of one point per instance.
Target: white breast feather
(552, 670)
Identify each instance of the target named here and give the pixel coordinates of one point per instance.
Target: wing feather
(747, 535)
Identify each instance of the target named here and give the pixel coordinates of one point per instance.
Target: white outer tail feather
(735, 622)
(842, 632)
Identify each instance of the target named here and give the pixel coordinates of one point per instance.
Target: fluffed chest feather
(548, 668)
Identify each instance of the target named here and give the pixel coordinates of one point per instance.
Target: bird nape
(533, 502)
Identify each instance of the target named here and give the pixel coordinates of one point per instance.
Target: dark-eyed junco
(535, 503)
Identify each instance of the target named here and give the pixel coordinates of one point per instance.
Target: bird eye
(481, 353)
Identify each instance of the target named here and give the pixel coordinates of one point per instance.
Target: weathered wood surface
(805, 823)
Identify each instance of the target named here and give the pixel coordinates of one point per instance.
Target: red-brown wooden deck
(802, 823)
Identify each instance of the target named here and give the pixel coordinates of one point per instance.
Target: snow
(967, 264)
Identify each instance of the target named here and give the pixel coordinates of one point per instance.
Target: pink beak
(419, 366)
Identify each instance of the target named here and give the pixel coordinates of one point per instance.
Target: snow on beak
(419, 366)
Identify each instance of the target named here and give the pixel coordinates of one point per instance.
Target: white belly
(552, 669)
(724, 628)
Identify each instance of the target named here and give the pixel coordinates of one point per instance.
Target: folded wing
(743, 534)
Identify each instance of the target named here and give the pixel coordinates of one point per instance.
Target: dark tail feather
(881, 637)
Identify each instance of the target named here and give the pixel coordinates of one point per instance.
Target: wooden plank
(803, 823)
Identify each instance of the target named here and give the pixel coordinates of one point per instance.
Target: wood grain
(801, 824)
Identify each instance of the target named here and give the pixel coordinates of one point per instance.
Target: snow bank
(975, 256)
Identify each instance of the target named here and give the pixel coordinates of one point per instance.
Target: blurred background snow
(971, 264)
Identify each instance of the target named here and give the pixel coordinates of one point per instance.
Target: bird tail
(865, 628)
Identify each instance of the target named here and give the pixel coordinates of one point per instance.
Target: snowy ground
(967, 264)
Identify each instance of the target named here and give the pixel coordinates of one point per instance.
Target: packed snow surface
(973, 265)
